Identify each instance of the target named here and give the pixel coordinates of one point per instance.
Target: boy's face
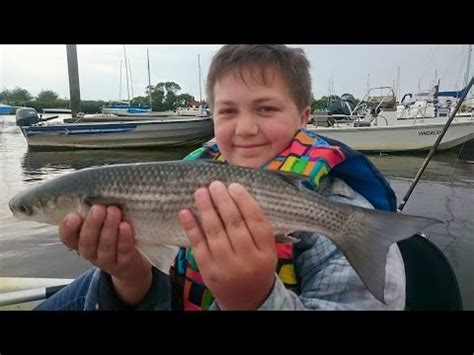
(254, 122)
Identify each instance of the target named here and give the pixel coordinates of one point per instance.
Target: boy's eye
(267, 109)
(226, 111)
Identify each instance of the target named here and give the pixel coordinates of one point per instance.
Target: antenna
(329, 92)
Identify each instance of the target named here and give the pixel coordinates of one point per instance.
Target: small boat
(25, 293)
(6, 109)
(120, 134)
(431, 284)
(125, 108)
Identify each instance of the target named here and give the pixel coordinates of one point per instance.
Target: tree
(172, 87)
(17, 96)
(164, 96)
(47, 97)
(184, 100)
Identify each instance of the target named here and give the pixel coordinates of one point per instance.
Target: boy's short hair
(291, 62)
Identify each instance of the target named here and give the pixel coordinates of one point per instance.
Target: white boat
(408, 137)
(25, 293)
(122, 134)
(380, 129)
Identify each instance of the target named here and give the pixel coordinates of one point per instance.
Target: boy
(260, 98)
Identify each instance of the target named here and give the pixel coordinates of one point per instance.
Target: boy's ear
(304, 118)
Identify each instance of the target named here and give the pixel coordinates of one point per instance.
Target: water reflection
(40, 165)
(450, 166)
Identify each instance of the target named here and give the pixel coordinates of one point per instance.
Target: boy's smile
(254, 121)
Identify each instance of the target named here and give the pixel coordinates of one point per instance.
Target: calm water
(30, 249)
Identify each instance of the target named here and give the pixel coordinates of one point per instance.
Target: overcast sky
(37, 67)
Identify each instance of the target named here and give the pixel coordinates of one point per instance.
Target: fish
(151, 194)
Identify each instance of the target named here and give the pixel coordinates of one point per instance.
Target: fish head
(48, 203)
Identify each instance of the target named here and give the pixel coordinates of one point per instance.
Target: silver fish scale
(151, 194)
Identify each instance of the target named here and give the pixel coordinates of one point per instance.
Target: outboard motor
(27, 116)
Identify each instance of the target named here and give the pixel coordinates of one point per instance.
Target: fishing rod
(435, 146)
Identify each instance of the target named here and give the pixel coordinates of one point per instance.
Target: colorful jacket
(308, 154)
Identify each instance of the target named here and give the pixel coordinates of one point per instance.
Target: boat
(25, 293)
(378, 127)
(6, 109)
(125, 108)
(120, 117)
(433, 104)
(117, 134)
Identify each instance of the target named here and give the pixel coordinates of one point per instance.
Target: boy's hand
(234, 247)
(107, 242)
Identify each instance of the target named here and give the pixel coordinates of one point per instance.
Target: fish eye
(25, 209)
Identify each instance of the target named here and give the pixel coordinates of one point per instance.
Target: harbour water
(30, 249)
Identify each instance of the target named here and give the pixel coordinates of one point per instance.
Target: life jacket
(307, 154)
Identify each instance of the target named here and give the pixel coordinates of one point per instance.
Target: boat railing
(369, 100)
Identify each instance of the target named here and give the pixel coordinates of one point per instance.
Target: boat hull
(418, 137)
(6, 110)
(121, 134)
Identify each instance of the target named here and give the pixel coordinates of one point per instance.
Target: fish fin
(285, 238)
(159, 255)
(106, 201)
(366, 242)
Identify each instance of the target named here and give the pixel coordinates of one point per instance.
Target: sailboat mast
(131, 80)
(149, 80)
(200, 88)
(468, 68)
(120, 85)
(126, 72)
(73, 73)
(398, 83)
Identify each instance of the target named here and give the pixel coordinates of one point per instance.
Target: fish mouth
(20, 210)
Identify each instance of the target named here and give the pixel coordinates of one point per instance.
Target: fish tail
(367, 239)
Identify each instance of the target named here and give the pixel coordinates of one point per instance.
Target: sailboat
(435, 103)
(123, 107)
(112, 132)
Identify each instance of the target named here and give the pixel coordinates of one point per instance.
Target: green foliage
(47, 98)
(91, 106)
(323, 103)
(17, 96)
(165, 96)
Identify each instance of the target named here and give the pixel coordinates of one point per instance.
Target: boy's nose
(246, 126)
